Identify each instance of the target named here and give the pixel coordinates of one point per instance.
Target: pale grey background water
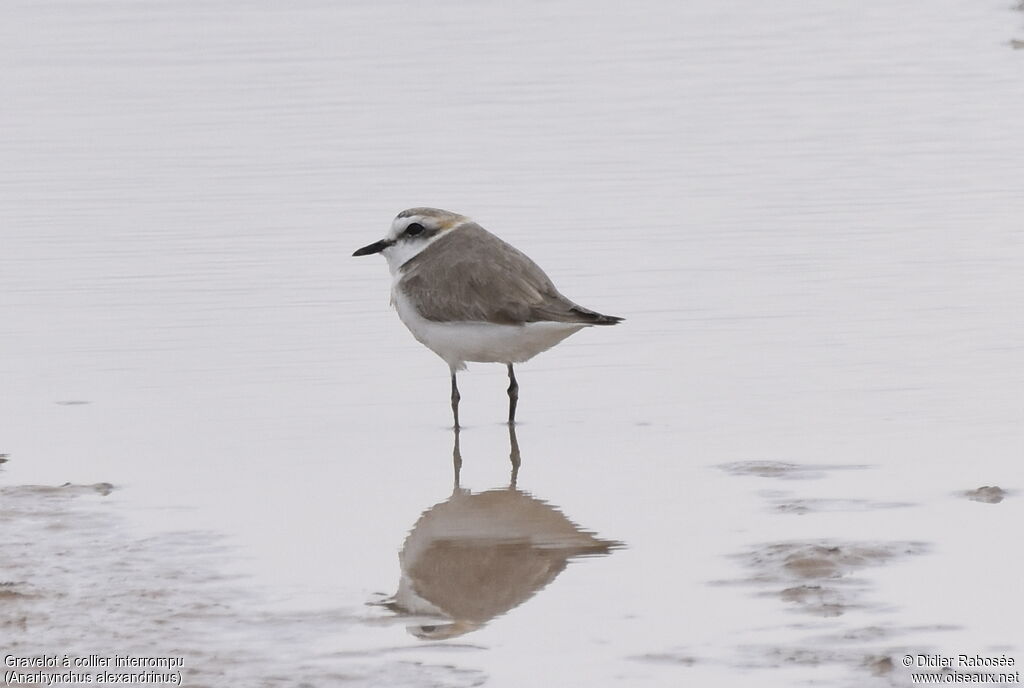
(810, 215)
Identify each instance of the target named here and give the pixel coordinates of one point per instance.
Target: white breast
(479, 342)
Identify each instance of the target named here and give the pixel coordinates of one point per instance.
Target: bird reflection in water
(474, 557)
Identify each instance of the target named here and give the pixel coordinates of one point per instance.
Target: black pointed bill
(375, 247)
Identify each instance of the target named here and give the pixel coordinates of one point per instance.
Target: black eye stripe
(413, 229)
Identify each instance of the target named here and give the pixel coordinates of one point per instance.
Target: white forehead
(400, 223)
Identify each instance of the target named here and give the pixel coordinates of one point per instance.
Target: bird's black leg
(455, 401)
(513, 395)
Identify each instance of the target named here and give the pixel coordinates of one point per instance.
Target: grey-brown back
(471, 275)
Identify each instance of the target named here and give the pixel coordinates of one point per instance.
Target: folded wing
(472, 275)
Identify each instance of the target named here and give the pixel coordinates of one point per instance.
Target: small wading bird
(468, 296)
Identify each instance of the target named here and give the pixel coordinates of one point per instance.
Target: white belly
(481, 342)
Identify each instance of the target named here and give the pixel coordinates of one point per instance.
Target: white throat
(402, 251)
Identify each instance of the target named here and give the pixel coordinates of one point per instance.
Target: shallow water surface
(796, 462)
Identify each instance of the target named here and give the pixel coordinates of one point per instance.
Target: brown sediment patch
(678, 658)
(13, 590)
(987, 494)
(870, 665)
(778, 656)
(786, 471)
(817, 576)
(839, 663)
(46, 501)
(879, 666)
(827, 601)
(786, 505)
(824, 559)
(872, 634)
(67, 489)
(866, 666)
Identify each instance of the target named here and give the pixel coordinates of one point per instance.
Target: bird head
(411, 232)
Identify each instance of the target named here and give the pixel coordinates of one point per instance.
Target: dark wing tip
(594, 318)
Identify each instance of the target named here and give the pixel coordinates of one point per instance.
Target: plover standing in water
(470, 297)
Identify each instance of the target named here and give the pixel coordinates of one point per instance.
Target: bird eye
(413, 229)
